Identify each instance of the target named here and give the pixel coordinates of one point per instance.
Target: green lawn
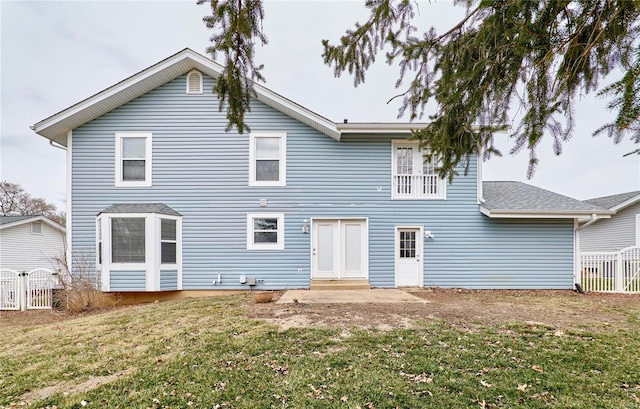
(205, 353)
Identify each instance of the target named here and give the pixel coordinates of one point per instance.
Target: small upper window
(194, 82)
(133, 159)
(36, 227)
(267, 159)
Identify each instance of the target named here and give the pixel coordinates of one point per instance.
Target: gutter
(56, 145)
(594, 218)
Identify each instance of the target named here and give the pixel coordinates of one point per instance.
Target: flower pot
(262, 296)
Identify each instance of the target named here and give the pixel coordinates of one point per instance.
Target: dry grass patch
(462, 349)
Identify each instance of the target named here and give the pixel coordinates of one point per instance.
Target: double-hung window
(265, 231)
(267, 159)
(168, 241)
(415, 176)
(133, 159)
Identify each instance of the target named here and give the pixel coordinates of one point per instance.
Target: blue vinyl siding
(128, 280)
(168, 280)
(202, 172)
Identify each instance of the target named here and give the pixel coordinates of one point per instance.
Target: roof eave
(542, 214)
(46, 220)
(625, 204)
(57, 126)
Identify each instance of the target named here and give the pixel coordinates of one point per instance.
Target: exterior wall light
(305, 226)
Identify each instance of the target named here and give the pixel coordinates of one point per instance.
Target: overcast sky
(54, 54)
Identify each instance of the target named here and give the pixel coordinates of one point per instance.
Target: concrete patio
(381, 296)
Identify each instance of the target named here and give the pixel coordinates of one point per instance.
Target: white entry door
(408, 257)
(339, 249)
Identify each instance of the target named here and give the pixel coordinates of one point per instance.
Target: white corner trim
(68, 204)
(637, 229)
(480, 186)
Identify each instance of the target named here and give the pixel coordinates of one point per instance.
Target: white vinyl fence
(27, 291)
(616, 271)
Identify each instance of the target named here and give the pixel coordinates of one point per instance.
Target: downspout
(576, 234)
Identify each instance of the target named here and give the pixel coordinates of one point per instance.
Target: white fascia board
(111, 91)
(109, 98)
(514, 214)
(380, 127)
(271, 98)
(34, 219)
(626, 203)
(297, 111)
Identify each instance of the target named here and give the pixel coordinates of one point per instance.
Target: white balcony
(418, 187)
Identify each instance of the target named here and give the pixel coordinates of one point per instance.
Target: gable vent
(194, 82)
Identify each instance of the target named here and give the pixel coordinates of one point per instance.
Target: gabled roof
(517, 199)
(616, 202)
(57, 126)
(159, 208)
(12, 221)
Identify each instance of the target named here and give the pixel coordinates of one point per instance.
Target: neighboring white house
(29, 242)
(621, 230)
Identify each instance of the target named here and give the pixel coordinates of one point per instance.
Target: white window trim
(148, 161)
(177, 241)
(153, 261)
(282, 179)
(265, 246)
(38, 233)
(199, 74)
(442, 183)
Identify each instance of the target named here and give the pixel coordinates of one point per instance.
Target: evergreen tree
(536, 57)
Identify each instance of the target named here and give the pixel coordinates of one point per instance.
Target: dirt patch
(466, 308)
(31, 318)
(68, 388)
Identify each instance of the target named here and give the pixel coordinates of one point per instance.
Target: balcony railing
(418, 187)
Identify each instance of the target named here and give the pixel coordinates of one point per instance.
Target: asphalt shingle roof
(159, 208)
(521, 197)
(11, 219)
(609, 202)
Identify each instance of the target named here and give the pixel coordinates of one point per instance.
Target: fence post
(21, 294)
(619, 273)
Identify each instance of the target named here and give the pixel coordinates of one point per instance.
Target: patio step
(340, 285)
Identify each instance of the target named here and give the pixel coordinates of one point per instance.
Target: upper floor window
(267, 159)
(194, 82)
(414, 176)
(133, 159)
